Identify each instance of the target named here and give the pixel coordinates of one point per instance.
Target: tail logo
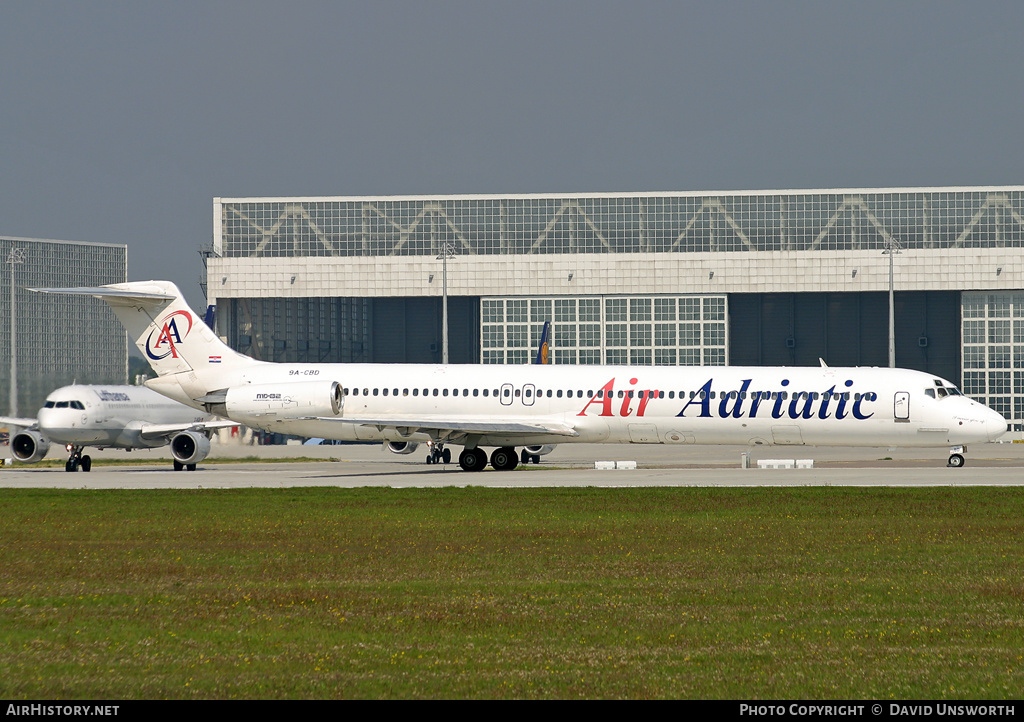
(169, 335)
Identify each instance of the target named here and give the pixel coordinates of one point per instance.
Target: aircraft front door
(529, 392)
(901, 406)
(506, 395)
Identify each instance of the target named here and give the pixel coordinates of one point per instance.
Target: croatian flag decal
(215, 359)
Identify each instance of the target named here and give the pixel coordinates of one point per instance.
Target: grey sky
(123, 120)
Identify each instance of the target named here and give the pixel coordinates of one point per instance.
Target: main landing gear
(504, 458)
(76, 460)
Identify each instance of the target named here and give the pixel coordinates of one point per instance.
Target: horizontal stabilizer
(108, 292)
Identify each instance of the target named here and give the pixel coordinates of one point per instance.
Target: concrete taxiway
(354, 465)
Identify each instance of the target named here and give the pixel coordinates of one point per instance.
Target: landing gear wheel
(956, 460)
(178, 466)
(190, 467)
(76, 458)
(473, 459)
(446, 456)
(504, 459)
(430, 458)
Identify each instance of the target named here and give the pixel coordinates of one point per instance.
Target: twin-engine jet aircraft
(505, 407)
(112, 417)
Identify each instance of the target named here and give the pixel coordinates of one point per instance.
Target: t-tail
(172, 337)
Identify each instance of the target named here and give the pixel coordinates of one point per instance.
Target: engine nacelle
(190, 447)
(288, 398)
(402, 447)
(29, 446)
(539, 450)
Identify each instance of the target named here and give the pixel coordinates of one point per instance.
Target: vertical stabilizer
(169, 334)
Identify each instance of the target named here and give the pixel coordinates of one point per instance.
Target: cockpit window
(942, 392)
(77, 405)
(49, 405)
(62, 404)
(929, 392)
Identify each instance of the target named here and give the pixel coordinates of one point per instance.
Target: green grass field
(531, 593)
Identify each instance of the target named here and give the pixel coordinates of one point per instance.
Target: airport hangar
(59, 339)
(759, 278)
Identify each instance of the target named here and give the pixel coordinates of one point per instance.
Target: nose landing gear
(77, 460)
(956, 457)
(438, 454)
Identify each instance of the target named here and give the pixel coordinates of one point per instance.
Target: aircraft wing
(447, 426)
(19, 422)
(155, 431)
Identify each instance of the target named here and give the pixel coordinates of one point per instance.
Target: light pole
(16, 256)
(447, 251)
(892, 247)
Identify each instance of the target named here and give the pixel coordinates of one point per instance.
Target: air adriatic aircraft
(112, 417)
(504, 407)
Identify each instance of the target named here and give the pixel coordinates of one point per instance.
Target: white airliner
(504, 407)
(113, 417)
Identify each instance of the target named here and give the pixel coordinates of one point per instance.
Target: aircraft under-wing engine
(504, 407)
(112, 417)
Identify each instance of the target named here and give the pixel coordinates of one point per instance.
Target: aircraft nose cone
(995, 425)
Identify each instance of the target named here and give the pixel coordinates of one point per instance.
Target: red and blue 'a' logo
(171, 330)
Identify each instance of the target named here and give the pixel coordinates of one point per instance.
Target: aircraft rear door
(529, 391)
(506, 395)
